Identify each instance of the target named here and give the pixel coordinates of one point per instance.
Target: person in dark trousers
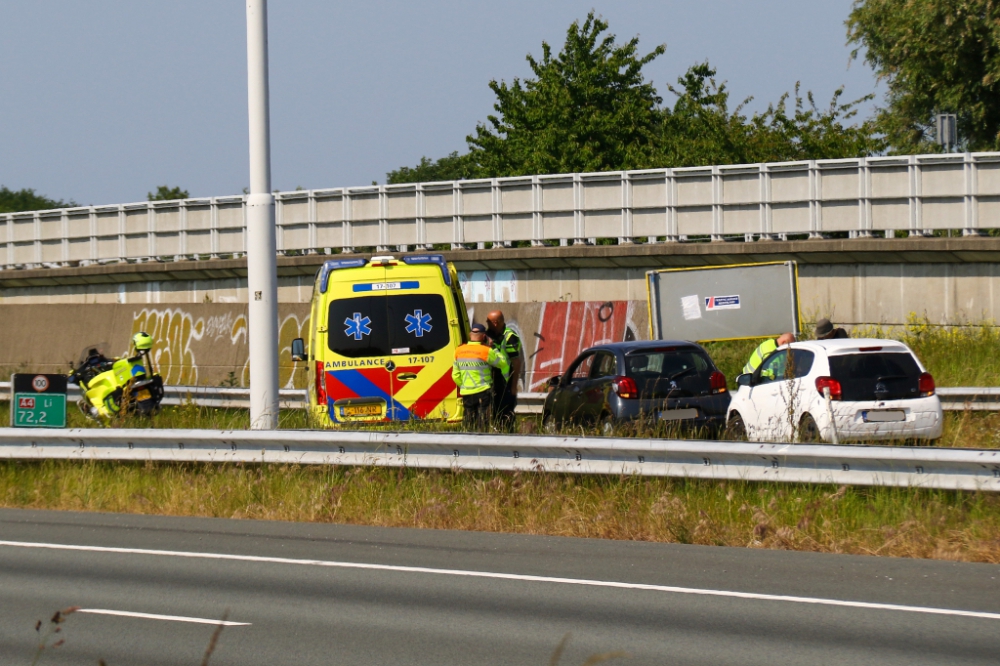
(825, 331)
(472, 373)
(506, 341)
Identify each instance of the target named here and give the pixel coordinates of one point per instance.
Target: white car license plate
(678, 414)
(883, 416)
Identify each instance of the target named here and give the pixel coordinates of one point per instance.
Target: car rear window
(876, 375)
(673, 373)
(386, 325)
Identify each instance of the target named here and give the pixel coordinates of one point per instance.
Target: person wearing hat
(473, 375)
(825, 331)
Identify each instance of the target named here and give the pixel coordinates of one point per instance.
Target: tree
(588, 109)
(15, 201)
(934, 56)
(165, 193)
(451, 167)
(700, 129)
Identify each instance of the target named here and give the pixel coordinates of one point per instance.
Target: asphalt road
(334, 594)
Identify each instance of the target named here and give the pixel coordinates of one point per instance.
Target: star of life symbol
(418, 323)
(357, 326)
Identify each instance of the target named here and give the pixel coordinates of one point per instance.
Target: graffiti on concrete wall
(555, 332)
(172, 331)
(180, 338)
(565, 328)
(488, 286)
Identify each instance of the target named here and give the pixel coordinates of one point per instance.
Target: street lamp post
(262, 270)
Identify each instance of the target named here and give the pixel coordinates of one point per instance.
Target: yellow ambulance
(382, 340)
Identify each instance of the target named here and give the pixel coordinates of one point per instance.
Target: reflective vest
(759, 354)
(473, 368)
(509, 345)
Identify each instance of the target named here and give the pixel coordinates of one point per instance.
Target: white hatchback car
(877, 390)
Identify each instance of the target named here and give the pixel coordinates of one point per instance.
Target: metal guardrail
(952, 399)
(918, 194)
(979, 398)
(224, 397)
(925, 467)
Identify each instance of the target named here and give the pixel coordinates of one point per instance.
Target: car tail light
(320, 384)
(925, 384)
(625, 387)
(718, 382)
(829, 383)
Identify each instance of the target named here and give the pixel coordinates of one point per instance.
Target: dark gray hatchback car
(660, 380)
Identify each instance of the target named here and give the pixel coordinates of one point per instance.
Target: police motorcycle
(122, 386)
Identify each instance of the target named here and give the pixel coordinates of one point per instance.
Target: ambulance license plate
(362, 410)
(678, 414)
(144, 394)
(883, 415)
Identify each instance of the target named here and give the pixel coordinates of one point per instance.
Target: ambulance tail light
(321, 398)
(625, 388)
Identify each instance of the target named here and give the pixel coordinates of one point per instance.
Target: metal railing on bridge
(916, 194)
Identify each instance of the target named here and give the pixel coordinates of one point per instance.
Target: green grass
(876, 521)
(959, 355)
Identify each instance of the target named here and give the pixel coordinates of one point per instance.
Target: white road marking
(507, 576)
(154, 616)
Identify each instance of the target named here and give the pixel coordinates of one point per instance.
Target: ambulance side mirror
(298, 350)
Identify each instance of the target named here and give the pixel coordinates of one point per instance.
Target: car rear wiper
(679, 374)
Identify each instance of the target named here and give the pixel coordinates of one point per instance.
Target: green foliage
(700, 129)
(451, 167)
(165, 193)
(934, 56)
(16, 201)
(589, 108)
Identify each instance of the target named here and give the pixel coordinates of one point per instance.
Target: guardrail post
(537, 216)
(420, 205)
(815, 208)
(383, 222)
(671, 211)
(626, 196)
(971, 198)
(864, 199)
(345, 209)
(578, 233)
(717, 211)
(915, 201)
(457, 221)
(496, 205)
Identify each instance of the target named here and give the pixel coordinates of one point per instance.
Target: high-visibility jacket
(510, 346)
(759, 354)
(473, 368)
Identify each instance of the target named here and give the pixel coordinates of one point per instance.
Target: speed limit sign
(40, 383)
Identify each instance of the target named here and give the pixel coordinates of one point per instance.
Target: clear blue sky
(102, 101)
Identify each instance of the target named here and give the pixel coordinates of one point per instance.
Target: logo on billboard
(722, 302)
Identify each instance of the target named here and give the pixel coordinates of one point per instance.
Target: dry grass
(874, 521)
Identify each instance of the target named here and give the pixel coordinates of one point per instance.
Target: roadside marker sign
(38, 401)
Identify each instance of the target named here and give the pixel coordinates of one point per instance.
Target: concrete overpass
(876, 239)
